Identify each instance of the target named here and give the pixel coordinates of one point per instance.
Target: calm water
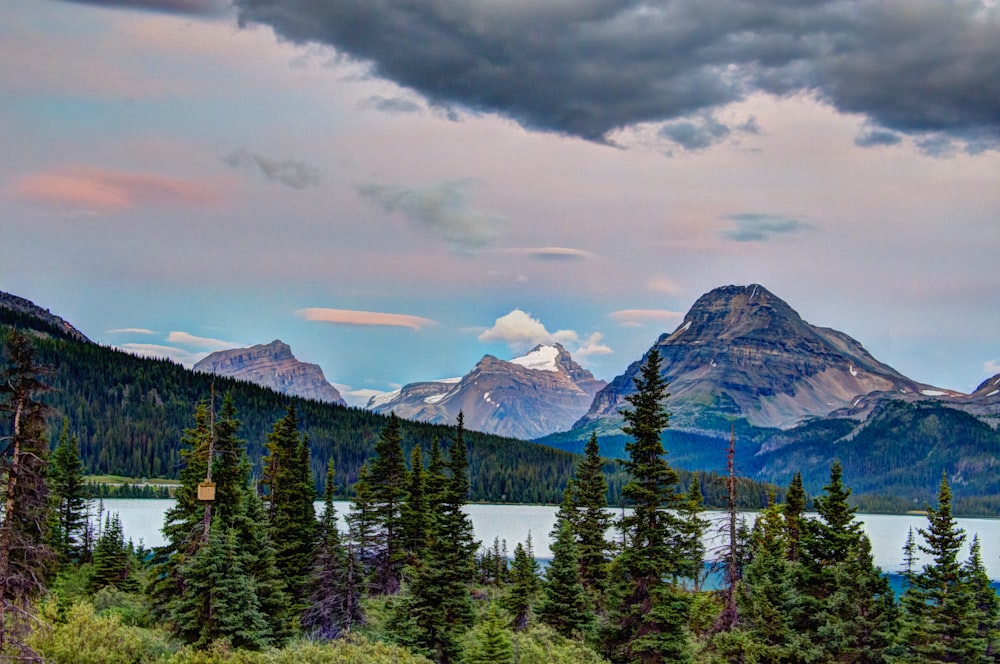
(142, 519)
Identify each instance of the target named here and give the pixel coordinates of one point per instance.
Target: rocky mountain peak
(530, 396)
(742, 351)
(274, 366)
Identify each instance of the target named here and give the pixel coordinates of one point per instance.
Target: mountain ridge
(274, 366)
(527, 397)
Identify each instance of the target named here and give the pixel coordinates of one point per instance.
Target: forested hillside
(128, 414)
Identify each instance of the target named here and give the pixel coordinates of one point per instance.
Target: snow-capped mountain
(527, 397)
(272, 365)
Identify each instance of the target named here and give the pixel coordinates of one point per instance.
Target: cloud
(442, 210)
(206, 343)
(761, 227)
(697, 133)
(642, 317)
(131, 330)
(295, 174)
(871, 138)
(96, 191)
(522, 332)
(552, 253)
(663, 284)
(349, 317)
(588, 68)
(178, 355)
(991, 367)
(391, 105)
(188, 7)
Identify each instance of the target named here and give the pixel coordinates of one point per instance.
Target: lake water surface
(142, 520)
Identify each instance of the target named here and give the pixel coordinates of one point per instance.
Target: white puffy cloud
(521, 332)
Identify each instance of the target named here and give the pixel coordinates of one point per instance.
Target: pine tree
(289, 494)
(26, 559)
(649, 614)
(565, 605)
(524, 587)
(112, 559)
(795, 507)
(492, 643)
(387, 478)
(334, 607)
(415, 512)
(361, 523)
(438, 607)
(590, 498)
(220, 600)
(985, 601)
(191, 594)
(69, 494)
(693, 529)
(939, 622)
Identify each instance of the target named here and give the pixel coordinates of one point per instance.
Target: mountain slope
(272, 365)
(743, 352)
(527, 397)
(17, 311)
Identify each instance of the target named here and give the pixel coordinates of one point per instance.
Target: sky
(397, 187)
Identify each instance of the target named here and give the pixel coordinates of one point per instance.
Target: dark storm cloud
(871, 138)
(752, 227)
(190, 7)
(587, 67)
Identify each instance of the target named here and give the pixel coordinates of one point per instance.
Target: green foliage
(565, 605)
(524, 587)
(649, 614)
(112, 559)
(540, 644)
(87, 638)
(387, 482)
(289, 494)
(489, 642)
(69, 497)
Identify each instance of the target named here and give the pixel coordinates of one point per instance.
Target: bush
(87, 638)
(540, 644)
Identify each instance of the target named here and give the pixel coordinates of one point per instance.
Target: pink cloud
(97, 190)
(348, 317)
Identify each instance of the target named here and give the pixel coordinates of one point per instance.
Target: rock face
(743, 352)
(29, 309)
(272, 365)
(528, 397)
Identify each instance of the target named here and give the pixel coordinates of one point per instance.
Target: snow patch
(854, 372)
(933, 393)
(542, 358)
(684, 328)
(992, 393)
(384, 398)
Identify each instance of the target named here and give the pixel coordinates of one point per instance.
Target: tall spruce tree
(524, 587)
(387, 478)
(26, 559)
(289, 494)
(438, 606)
(649, 614)
(939, 621)
(415, 513)
(69, 496)
(112, 559)
(795, 507)
(334, 607)
(590, 498)
(565, 605)
(985, 601)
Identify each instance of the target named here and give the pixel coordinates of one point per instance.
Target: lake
(142, 520)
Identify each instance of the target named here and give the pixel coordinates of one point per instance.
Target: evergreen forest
(251, 572)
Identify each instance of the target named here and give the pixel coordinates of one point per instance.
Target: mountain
(743, 352)
(527, 397)
(798, 397)
(273, 366)
(17, 311)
